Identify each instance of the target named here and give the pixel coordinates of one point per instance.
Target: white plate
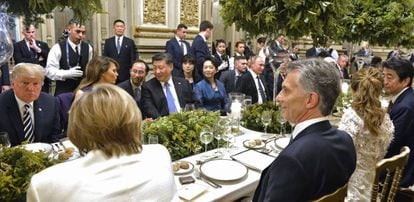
(39, 147)
(251, 144)
(184, 171)
(282, 142)
(224, 170)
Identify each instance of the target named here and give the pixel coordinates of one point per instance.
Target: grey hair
(316, 75)
(28, 69)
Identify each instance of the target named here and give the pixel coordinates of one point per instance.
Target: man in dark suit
(252, 82)
(230, 77)
(398, 77)
(177, 47)
(199, 47)
(164, 94)
(28, 114)
(319, 158)
(4, 80)
(133, 85)
(121, 49)
(30, 50)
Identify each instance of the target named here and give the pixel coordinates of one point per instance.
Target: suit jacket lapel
(15, 117)
(38, 116)
(316, 127)
(163, 106)
(178, 90)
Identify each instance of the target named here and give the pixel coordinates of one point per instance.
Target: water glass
(4, 139)
(266, 118)
(282, 122)
(206, 137)
(189, 107)
(247, 101)
(153, 139)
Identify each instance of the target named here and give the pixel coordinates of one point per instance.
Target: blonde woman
(371, 130)
(105, 125)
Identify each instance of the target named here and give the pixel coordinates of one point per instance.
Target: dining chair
(391, 169)
(338, 195)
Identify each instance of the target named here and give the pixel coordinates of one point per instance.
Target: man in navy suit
(252, 82)
(398, 77)
(138, 72)
(30, 50)
(199, 47)
(319, 158)
(164, 94)
(28, 114)
(177, 47)
(121, 49)
(230, 77)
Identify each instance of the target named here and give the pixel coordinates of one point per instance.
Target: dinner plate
(182, 171)
(39, 147)
(223, 170)
(251, 144)
(282, 142)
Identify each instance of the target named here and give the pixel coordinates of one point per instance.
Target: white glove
(223, 65)
(73, 72)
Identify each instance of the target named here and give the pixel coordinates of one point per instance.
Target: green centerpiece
(180, 132)
(17, 166)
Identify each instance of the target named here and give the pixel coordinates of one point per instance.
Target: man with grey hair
(319, 158)
(28, 114)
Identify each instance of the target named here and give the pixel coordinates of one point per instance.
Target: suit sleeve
(19, 58)
(198, 95)
(45, 50)
(134, 52)
(57, 129)
(5, 77)
(105, 51)
(403, 120)
(147, 103)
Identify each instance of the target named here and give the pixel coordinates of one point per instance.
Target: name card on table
(254, 159)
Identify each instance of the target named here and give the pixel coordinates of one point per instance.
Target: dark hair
(239, 42)
(73, 21)
(261, 40)
(218, 41)
(163, 56)
(401, 66)
(147, 69)
(375, 61)
(214, 61)
(204, 25)
(118, 20)
(239, 57)
(188, 59)
(182, 26)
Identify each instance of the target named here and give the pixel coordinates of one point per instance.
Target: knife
(198, 175)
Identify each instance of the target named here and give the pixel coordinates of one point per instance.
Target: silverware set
(198, 176)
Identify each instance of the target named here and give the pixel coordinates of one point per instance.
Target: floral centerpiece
(251, 118)
(17, 166)
(180, 132)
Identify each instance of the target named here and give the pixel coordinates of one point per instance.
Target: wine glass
(152, 139)
(4, 139)
(189, 107)
(206, 137)
(247, 101)
(282, 122)
(221, 129)
(266, 118)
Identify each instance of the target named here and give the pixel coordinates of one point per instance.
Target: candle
(345, 87)
(235, 109)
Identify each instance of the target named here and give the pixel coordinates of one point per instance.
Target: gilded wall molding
(189, 13)
(154, 12)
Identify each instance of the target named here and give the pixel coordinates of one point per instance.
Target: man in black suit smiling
(164, 94)
(121, 49)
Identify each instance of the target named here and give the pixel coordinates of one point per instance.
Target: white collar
(21, 103)
(253, 73)
(178, 39)
(304, 124)
(202, 36)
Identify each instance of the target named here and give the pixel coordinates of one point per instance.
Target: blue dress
(210, 99)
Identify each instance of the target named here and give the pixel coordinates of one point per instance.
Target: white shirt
(52, 69)
(303, 125)
(256, 82)
(173, 92)
(22, 109)
(183, 44)
(146, 176)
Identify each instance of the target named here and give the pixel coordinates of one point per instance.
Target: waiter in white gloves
(68, 59)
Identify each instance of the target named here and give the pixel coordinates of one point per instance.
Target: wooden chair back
(393, 169)
(338, 195)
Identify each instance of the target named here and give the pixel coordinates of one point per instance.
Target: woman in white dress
(105, 124)
(370, 128)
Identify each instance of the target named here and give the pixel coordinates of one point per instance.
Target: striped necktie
(261, 90)
(28, 124)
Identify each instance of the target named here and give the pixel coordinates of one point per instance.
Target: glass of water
(4, 139)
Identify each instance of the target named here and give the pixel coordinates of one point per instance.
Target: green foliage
(33, 9)
(296, 18)
(180, 132)
(251, 118)
(17, 166)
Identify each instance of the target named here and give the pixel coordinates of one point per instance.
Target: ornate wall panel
(189, 13)
(154, 12)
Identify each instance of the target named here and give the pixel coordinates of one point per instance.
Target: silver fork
(198, 176)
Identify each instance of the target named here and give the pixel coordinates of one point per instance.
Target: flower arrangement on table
(251, 118)
(180, 132)
(17, 166)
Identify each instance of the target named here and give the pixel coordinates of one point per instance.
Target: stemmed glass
(206, 137)
(189, 107)
(266, 118)
(4, 139)
(282, 122)
(220, 130)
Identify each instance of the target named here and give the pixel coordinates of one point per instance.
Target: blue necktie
(170, 99)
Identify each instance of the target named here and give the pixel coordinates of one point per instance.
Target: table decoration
(17, 166)
(180, 132)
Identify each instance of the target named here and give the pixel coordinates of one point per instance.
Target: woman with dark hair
(210, 92)
(370, 128)
(188, 63)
